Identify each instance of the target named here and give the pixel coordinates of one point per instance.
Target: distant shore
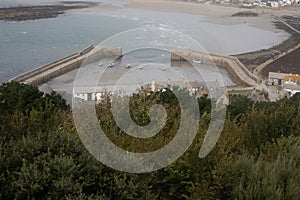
(211, 13)
(265, 18)
(218, 14)
(23, 13)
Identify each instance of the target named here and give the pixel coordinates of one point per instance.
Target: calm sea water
(7, 3)
(26, 45)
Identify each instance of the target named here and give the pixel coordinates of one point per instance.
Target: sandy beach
(212, 13)
(213, 26)
(102, 7)
(212, 10)
(192, 17)
(179, 6)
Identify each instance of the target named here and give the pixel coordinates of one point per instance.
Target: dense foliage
(41, 156)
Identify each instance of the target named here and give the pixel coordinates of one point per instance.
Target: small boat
(140, 66)
(128, 66)
(197, 61)
(111, 64)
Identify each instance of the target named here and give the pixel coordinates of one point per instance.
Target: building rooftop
(292, 78)
(278, 75)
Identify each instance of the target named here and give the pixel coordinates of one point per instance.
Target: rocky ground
(22, 13)
(245, 14)
(252, 59)
(287, 64)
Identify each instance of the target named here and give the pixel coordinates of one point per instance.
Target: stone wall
(59, 67)
(237, 71)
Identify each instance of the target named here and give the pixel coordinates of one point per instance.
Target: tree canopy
(41, 156)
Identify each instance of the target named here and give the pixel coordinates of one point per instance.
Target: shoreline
(253, 59)
(216, 14)
(220, 15)
(267, 19)
(25, 13)
(211, 13)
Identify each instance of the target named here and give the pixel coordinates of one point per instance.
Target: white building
(277, 78)
(292, 84)
(273, 3)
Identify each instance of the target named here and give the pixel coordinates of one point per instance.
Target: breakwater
(236, 70)
(57, 68)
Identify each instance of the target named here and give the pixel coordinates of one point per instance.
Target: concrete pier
(57, 68)
(236, 70)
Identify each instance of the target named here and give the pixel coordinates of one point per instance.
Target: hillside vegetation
(41, 156)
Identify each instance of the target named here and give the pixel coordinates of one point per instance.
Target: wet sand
(215, 13)
(212, 13)
(212, 26)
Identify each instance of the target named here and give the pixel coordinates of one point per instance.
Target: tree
(20, 97)
(23, 108)
(238, 105)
